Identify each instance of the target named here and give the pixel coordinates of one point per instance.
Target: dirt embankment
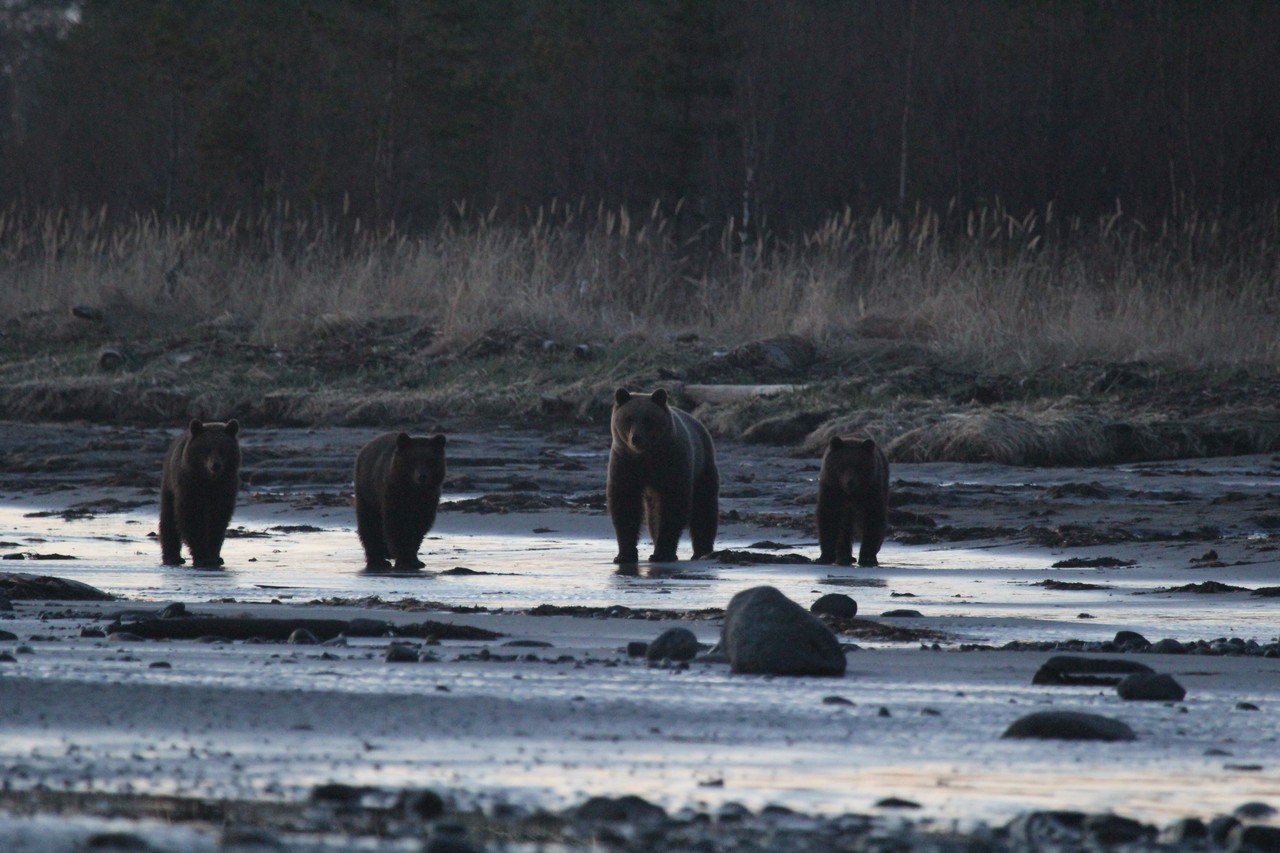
(885, 380)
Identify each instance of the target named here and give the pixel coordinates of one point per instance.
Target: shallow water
(987, 593)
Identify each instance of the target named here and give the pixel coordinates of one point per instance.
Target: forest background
(417, 207)
(401, 110)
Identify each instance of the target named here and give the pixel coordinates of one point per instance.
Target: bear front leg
(170, 539)
(844, 537)
(217, 519)
(372, 537)
(191, 525)
(672, 512)
(404, 534)
(874, 526)
(830, 509)
(626, 510)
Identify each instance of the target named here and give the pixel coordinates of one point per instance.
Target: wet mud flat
(992, 571)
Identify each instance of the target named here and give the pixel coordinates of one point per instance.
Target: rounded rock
(835, 604)
(1069, 725)
(674, 644)
(1150, 687)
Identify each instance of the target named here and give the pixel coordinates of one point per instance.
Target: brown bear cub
(198, 492)
(662, 465)
(398, 480)
(853, 496)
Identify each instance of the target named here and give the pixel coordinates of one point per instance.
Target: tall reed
(985, 286)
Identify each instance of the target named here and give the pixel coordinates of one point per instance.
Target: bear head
(640, 423)
(419, 461)
(213, 450)
(852, 461)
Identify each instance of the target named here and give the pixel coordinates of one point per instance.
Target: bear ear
(438, 439)
(621, 396)
(659, 397)
(232, 427)
(403, 441)
(868, 444)
(196, 426)
(835, 443)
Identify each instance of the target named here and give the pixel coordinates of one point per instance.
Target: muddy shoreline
(1004, 565)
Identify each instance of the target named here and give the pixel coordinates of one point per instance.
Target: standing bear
(662, 465)
(398, 480)
(853, 496)
(198, 492)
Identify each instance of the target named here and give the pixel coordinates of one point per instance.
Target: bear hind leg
(626, 511)
(873, 531)
(372, 538)
(170, 538)
(704, 518)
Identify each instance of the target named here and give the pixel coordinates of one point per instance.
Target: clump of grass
(983, 287)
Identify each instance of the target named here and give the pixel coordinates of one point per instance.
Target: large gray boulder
(766, 633)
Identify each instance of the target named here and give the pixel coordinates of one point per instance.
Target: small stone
(116, 842)
(1254, 810)
(401, 653)
(303, 637)
(110, 359)
(1220, 827)
(1131, 640)
(1109, 829)
(835, 604)
(1071, 669)
(629, 808)
(836, 700)
(1188, 830)
(160, 664)
(1150, 687)
(424, 805)
(674, 644)
(637, 649)
(1069, 725)
(337, 794)
(173, 611)
(903, 614)
(896, 803)
(1167, 646)
(1247, 706)
(1254, 838)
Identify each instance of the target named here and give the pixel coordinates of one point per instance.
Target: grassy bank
(898, 321)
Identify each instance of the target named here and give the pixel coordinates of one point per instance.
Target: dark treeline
(398, 110)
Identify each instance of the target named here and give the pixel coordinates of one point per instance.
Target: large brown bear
(853, 496)
(198, 492)
(662, 465)
(398, 480)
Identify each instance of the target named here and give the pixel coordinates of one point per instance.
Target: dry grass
(985, 288)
